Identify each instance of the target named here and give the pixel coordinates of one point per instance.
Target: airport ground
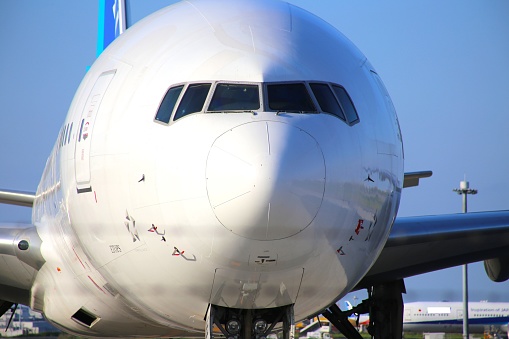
(417, 336)
(334, 336)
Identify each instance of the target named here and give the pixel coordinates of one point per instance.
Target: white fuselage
(144, 224)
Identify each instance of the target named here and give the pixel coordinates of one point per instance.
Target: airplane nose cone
(265, 180)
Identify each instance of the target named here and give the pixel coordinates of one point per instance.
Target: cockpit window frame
(308, 89)
(323, 110)
(342, 103)
(186, 91)
(218, 83)
(263, 100)
(182, 91)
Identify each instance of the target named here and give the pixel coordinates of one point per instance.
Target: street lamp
(464, 190)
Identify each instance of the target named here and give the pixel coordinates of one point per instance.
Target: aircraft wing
(412, 178)
(17, 198)
(423, 244)
(20, 257)
(20, 260)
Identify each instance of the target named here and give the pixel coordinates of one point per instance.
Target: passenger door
(86, 126)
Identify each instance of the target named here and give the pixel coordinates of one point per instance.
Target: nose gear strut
(385, 308)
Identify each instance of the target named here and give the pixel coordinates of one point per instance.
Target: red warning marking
(92, 280)
(95, 196)
(359, 226)
(176, 252)
(81, 262)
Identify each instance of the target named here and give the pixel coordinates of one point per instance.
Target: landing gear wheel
(386, 311)
(236, 323)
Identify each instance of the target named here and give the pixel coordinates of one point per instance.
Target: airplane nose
(265, 180)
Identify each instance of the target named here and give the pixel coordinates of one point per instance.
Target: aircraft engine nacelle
(497, 269)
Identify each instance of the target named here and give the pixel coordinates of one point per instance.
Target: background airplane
(427, 118)
(430, 317)
(448, 317)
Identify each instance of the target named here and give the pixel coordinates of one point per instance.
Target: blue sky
(443, 62)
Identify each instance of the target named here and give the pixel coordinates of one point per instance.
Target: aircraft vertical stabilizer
(111, 22)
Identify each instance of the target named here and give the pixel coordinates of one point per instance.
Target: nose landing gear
(234, 323)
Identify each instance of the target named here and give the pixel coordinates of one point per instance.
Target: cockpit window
(235, 97)
(168, 104)
(326, 99)
(289, 98)
(347, 104)
(193, 100)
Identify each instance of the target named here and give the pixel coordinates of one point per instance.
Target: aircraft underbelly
(243, 289)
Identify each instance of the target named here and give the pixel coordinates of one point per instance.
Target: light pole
(464, 190)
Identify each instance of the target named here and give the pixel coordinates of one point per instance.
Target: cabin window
(289, 97)
(235, 97)
(69, 134)
(66, 130)
(193, 100)
(168, 104)
(326, 99)
(346, 104)
(81, 130)
(61, 142)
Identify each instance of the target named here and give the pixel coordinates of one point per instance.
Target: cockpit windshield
(293, 97)
(193, 100)
(235, 97)
(301, 97)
